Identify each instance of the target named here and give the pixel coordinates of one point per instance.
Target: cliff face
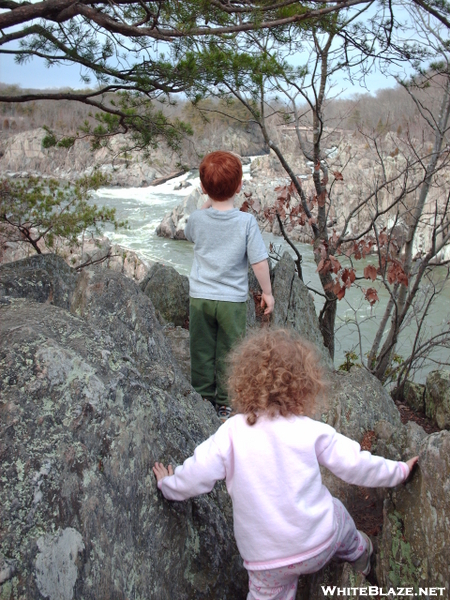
(354, 172)
(24, 152)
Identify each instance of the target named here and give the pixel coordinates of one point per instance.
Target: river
(144, 209)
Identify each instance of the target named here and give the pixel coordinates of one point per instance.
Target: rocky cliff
(24, 153)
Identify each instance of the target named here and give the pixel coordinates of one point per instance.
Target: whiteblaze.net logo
(373, 590)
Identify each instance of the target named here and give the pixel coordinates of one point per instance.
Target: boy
(225, 241)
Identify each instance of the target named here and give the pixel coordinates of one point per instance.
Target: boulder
(357, 405)
(415, 546)
(89, 251)
(43, 278)
(356, 402)
(413, 396)
(173, 224)
(91, 396)
(437, 398)
(294, 306)
(169, 293)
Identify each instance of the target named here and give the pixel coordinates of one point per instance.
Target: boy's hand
(206, 204)
(268, 301)
(160, 471)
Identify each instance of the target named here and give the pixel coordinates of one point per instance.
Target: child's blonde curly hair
(274, 372)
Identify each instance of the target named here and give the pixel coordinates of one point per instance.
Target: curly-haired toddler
(286, 522)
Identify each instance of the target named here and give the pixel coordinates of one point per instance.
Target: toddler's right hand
(412, 462)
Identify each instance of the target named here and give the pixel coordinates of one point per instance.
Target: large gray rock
(173, 224)
(413, 395)
(294, 306)
(415, 545)
(169, 293)
(437, 398)
(357, 405)
(356, 401)
(44, 278)
(90, 398)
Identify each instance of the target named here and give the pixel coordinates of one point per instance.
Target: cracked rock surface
(91, 397)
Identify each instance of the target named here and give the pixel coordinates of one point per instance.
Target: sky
(35, 74)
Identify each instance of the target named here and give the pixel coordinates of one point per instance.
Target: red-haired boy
(225, 241)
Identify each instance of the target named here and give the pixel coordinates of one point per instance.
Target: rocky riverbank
(91, 396)
(346, 191)
(352, 167)
(23, 154)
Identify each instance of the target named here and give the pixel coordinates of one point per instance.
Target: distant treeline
(387, 110)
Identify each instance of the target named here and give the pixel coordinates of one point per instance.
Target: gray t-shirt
(225, 242)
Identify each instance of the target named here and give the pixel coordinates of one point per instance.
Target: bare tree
(395, 197)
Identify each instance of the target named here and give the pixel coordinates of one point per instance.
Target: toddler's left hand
(160, 471)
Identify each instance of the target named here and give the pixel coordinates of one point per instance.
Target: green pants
(214, 327)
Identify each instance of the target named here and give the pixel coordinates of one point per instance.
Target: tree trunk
(404, 300)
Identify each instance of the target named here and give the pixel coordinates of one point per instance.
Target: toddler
(286, 522)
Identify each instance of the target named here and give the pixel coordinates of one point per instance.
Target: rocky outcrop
(437, 398)
(90, 251)
(91, 396)
(415, 545)
(23, 153)
(169, 293)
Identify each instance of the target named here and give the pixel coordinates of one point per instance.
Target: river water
(144, 209)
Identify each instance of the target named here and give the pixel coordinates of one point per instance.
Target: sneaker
(362, 564)
(224, 412)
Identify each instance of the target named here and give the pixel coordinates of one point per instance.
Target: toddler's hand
(160, 471)
(411, 462)
(268, 301)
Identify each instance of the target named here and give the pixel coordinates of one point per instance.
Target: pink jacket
(282, 511)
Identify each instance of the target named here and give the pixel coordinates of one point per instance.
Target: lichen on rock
(91, 397)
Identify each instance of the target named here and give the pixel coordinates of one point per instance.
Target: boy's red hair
(221, 174)
(274, 372)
